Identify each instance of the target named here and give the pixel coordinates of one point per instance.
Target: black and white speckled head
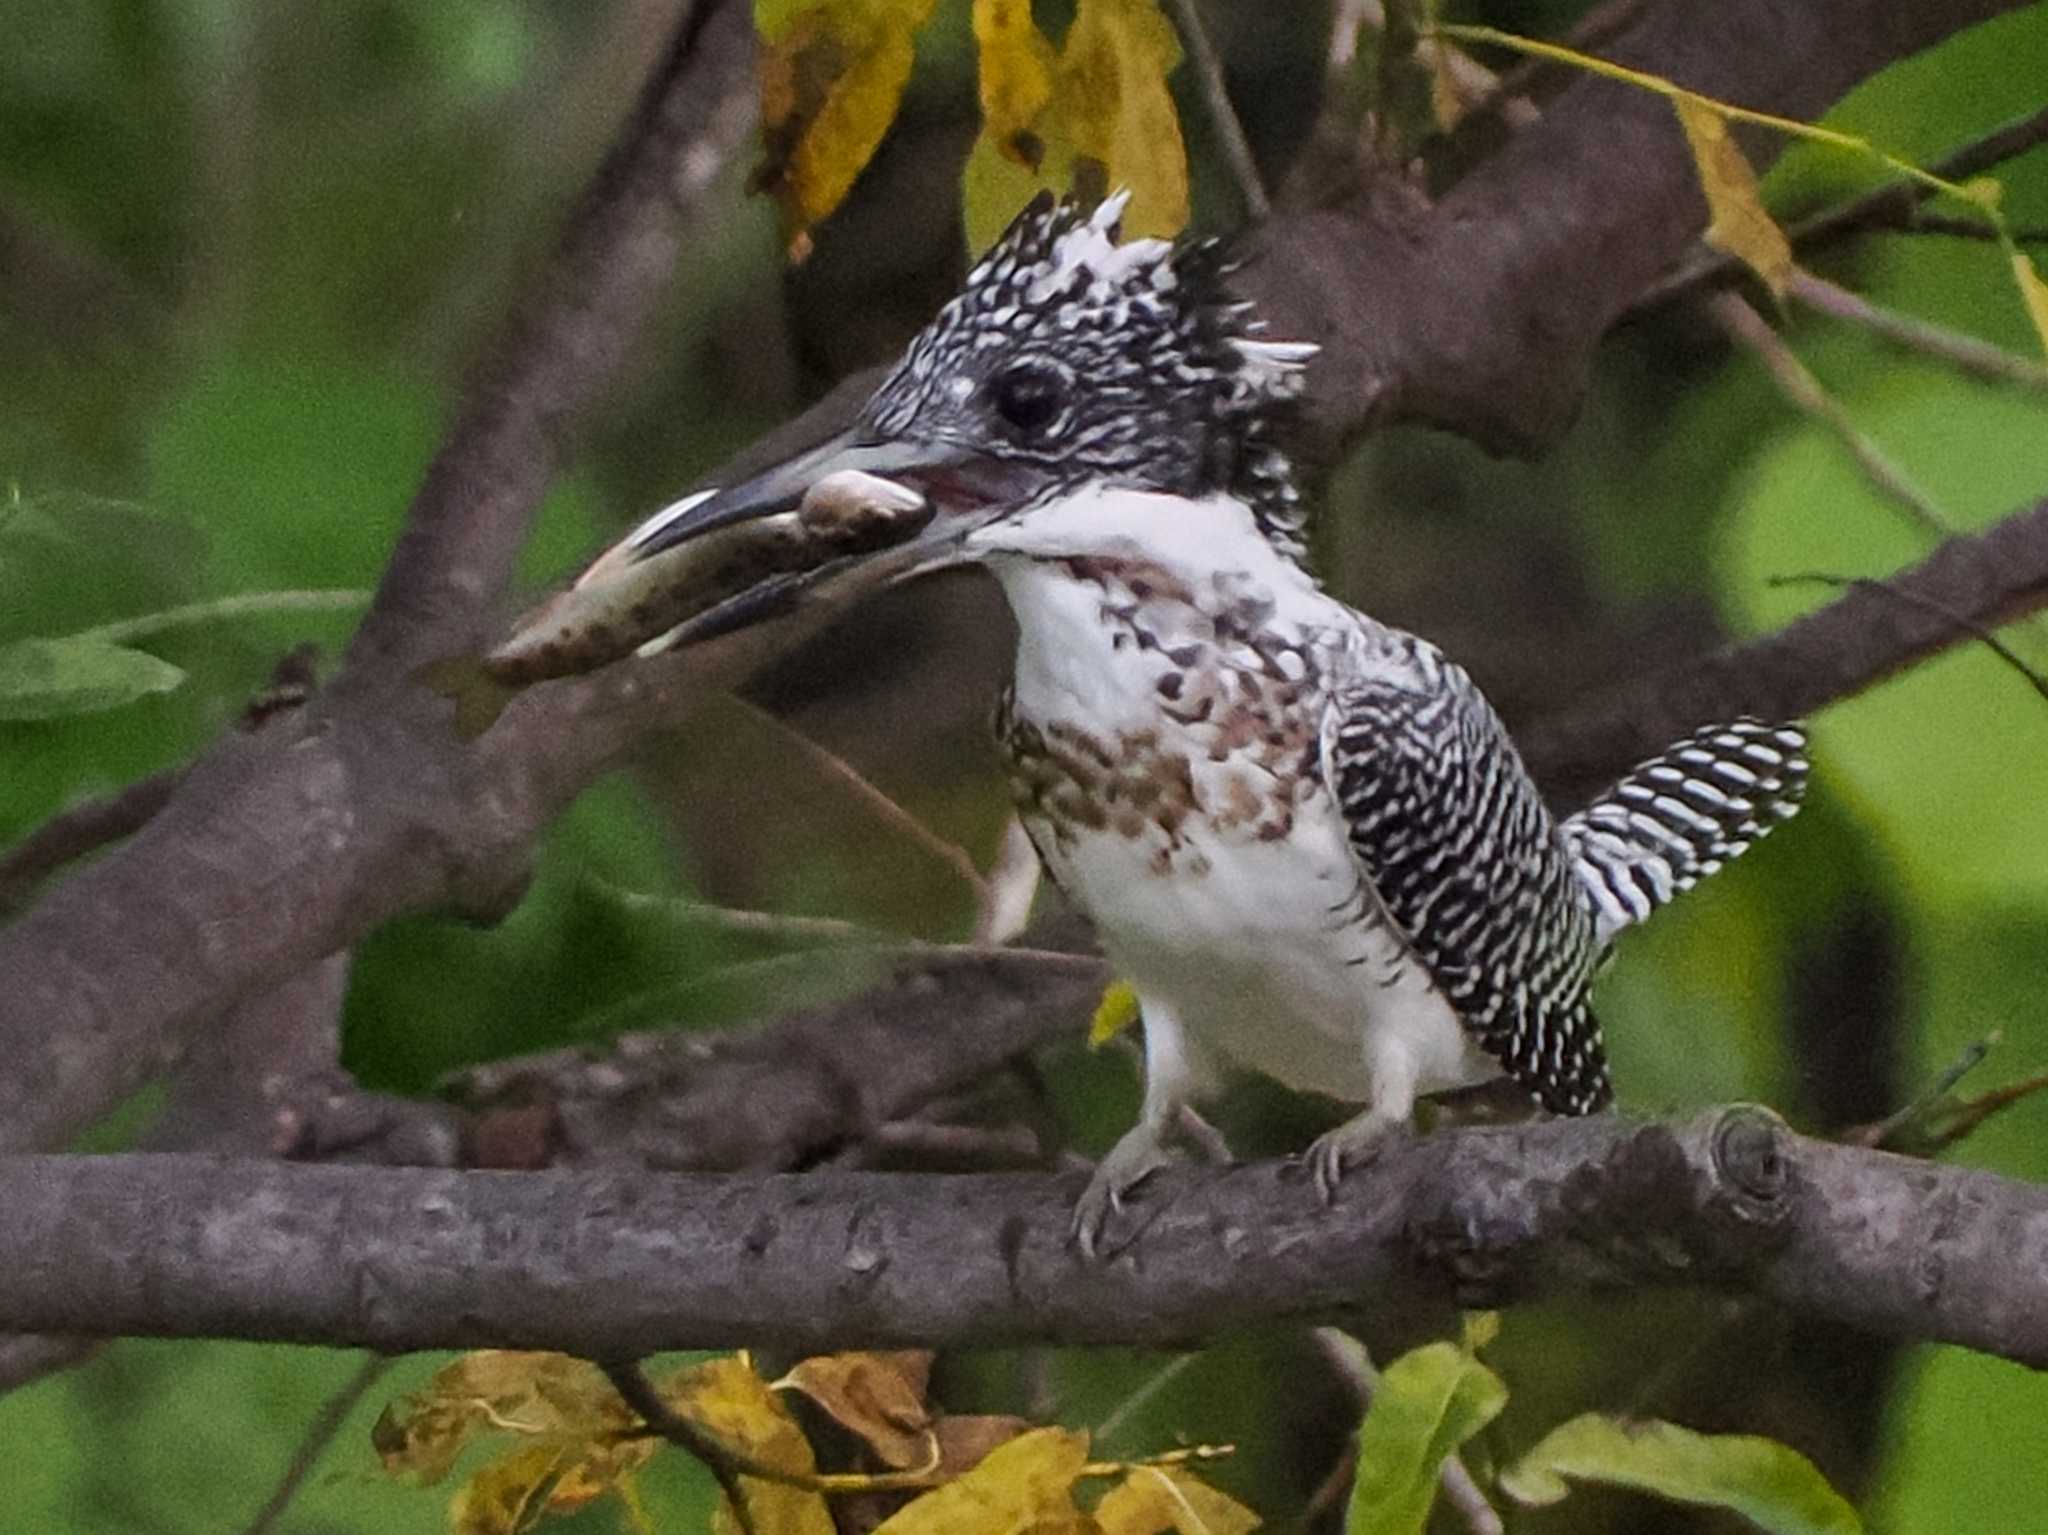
(1093, 360)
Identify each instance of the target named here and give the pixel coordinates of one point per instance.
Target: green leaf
(43, 679)
(1768, 1483)
(1427, 1403)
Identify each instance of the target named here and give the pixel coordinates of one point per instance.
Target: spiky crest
(1155, 375)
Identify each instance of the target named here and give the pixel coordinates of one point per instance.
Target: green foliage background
(252, 249)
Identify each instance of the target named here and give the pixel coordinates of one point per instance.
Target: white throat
(1192, 538)
(1101, 580)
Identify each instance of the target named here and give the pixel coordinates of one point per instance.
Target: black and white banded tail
(1678, 817)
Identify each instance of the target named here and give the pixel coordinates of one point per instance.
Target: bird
(1304, 837)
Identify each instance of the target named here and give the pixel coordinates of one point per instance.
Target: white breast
(1245, 917)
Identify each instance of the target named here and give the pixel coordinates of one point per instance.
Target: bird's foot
(1141, 1153)
(1352, 1144)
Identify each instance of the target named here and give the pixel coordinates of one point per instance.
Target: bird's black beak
(953, 490)
(783, 487)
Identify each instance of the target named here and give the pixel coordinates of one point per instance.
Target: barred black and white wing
(1467, 863)
(1679, 817)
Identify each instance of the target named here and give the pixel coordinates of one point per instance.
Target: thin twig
(1743, 325)
(93, 823)
(1237, 150)
(723, 1462)
(1960, 227)
(839, 770)
(1979, 359)
(125, 631)
(1962, 621)
(740, 919)
(1968, 1113)
(318, 1436)
(1153, 1384)
(1882, 1134)
(1937, 1119)
(81, 829)
(1891, 205)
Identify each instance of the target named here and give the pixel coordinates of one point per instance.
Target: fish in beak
(867, 513)
(845, 517)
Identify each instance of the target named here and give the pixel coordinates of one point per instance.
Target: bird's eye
(1028, 399)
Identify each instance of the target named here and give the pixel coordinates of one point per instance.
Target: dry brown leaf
(878, 1396)
(508, 1495)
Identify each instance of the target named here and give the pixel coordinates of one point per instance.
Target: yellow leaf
(879, 1396)
(494, 1391)
(1154, 1499)
(994, 188)
(1023, 1486)
(2034, 291)
(556, 1476)
(508, 1495)
(1987, 192)
(726, 1397)
(1447, 103)
(1015, 75)
(832, 77)
(1117, 1011)
(1737, 222)
(1477, 1329)
(1107, 122)
(1113, 65)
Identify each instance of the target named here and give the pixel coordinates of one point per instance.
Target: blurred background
(248, 250)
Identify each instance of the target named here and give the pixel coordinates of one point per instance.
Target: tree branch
(1971, 583)
(590, 1262)
(808, 1082)
(562, 344)
(1481, 313)
(281, 848)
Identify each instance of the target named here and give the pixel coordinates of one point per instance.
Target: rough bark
(611, 1264)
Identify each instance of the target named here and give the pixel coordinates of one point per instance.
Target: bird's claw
(1352, 1144)
(1130, 1162)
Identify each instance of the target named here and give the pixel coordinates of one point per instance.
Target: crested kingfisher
(1303, 836)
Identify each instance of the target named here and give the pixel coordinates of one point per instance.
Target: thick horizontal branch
(613, 1263)
(1969, 584)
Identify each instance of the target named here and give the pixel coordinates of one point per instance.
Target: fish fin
(479, 698)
